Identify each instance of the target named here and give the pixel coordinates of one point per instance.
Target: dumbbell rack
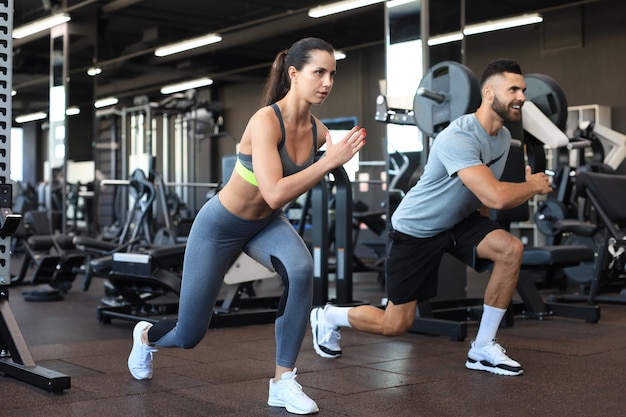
(15, 358)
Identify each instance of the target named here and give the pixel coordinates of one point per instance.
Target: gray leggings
(216, 236)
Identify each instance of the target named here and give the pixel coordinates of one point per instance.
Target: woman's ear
(293, 73)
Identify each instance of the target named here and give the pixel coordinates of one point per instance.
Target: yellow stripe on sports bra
(245, 173)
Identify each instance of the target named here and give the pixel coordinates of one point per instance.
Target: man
(447, 211)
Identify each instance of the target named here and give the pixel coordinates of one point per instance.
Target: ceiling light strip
(510, 22)
(187, 44)
(40, 25)
(488, 26)
(445, 38)
(31, 117)
(186, 85)
(340, 6)
(105, 102)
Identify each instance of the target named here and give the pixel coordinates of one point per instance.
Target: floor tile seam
(569, 354)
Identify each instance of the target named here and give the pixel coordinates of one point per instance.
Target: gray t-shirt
(440, 200)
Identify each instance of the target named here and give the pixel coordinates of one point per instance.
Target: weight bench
(142, 277)
(54, 261)
(138, 278)
(550, 258)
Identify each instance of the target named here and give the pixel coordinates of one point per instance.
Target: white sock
(489, 323)
(337, 316)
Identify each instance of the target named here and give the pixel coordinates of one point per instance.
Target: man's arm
(502, 195)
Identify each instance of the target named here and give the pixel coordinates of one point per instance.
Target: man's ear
(487, 92)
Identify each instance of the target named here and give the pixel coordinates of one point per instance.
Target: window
(17, 154)
(404, 73)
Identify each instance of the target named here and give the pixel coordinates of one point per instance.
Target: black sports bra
(289, 167)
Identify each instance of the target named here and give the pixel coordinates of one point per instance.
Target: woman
(281, 139)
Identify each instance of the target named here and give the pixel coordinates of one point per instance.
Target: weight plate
(548, 96)
(547, 214)
(459, 89)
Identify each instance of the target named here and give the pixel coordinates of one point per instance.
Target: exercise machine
(341, 239)
(148, 284)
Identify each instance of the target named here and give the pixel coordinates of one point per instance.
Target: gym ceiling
(120, 37)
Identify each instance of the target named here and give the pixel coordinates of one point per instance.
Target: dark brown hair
(498, 67)
(298, 55)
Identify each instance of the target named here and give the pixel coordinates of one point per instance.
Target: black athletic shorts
(412, 265)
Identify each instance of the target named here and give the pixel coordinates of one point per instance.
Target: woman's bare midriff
(244, 199)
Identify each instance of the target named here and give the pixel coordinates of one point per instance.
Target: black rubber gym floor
(571, 368)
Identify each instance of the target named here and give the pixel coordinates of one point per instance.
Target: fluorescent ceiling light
(31, 117)
(186, 85)
(488, 26)
(185, 45)
(445, 38)
(340, 6)
(491, 25)
(109, 101)
(93, 71)
(339, 55)
(72, 111)
(40, 25)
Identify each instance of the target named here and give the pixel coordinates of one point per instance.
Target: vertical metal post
(6, 84)
(57, 131)
(15, 358)
(425, 34)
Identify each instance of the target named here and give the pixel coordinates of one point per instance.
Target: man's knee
(397, 324)
(391, 330)
(514, 251)
(507, 249)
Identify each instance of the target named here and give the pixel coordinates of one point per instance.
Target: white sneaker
(492, 358)
(140, 358)
(325, 336)
(288, 393)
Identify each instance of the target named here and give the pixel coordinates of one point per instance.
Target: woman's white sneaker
(288, 393)
(140, 358)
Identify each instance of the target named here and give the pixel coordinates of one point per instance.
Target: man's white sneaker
(140, 358)
(492, 358)
(288, 393)
(325, 336)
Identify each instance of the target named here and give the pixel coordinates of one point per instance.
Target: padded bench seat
(560, 256)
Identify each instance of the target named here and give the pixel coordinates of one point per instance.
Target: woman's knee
(294, 270)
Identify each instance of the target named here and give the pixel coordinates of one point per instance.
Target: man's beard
(502, 110)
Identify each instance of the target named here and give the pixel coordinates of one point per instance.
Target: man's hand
(540, 181)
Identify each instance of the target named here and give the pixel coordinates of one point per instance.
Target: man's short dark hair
(500, 66)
